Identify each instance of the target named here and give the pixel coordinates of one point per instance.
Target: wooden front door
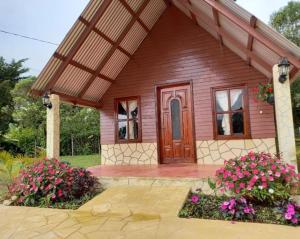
(176, 125)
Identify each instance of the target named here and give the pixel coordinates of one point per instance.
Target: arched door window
(175, 118)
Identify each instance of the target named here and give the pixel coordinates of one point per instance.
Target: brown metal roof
(108, 33)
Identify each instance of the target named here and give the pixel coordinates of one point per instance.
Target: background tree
(29, 127)
(10, 74)
(287, 21)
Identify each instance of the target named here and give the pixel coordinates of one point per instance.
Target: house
(173, 81)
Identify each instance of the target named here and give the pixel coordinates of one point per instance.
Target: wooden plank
(194, 18)
(82, 67)
(96, 30)
(129, 9)
(78, 44)
(112, 50)
(217, 22)
(71, 99)
(253, 21)
(257, 35)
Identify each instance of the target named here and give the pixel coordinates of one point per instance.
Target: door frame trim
(157, 115)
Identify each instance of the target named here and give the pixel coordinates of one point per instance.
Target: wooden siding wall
(177, 50)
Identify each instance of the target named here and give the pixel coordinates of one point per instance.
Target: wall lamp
(284, 69)
(46, 101)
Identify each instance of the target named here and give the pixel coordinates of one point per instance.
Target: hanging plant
(265, 92)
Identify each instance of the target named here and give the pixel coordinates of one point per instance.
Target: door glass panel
(122, 129)
(175, 117)
(223, 124)
(133, 129)
(222, 101)
(236, 98)
(238, 123)
(133, 109)
(122, 110)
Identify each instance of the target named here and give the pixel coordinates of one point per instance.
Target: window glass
(133, 109)
(133, 129)
(122, 127)
(175, 115)
(222, 101)
(236, 98)
(223, 124)
(238, 123)
(122, 110)
(127, 122)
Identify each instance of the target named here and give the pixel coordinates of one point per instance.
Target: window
(231, 113)
(127, 120)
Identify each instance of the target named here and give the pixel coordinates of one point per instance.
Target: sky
(50, 20)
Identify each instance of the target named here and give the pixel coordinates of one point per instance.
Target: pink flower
(287, 216)
(277, 174)
(295, 220)
(231, 185)
(255, 171)
(225, 205)
(242, 185)
(273, 167)
(271, 178)
(234, 178)
(195, 199)
(247, 210)
(243, 158)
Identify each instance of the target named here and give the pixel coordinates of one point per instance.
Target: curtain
(236, 97)
(222, 105)
(133, 114)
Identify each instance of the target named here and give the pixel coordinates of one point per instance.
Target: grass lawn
(83, 161)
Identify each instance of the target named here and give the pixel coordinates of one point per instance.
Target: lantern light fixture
(46, 101)
(284, 69)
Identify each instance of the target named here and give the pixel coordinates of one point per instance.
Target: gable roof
(108, 32)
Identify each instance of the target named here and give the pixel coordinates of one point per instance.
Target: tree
(287, 22)
(10, 74)
(29, 127)
(80, 130)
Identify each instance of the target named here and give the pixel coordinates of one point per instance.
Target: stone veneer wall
(129, 154)
(208, 152)
(216, 151)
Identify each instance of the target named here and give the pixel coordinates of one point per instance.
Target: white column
(53, 128)
(284, 118)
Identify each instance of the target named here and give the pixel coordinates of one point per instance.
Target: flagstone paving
(129, 212)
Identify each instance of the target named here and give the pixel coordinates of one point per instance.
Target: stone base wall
(208, 152)
(129, 154)
(216, 151)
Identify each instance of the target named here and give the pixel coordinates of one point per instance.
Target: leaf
(211, 184)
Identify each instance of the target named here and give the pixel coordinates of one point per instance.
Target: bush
(258, 177)
(50, 181)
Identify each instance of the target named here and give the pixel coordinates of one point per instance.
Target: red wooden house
(173, 80)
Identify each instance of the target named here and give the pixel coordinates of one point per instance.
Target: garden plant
(257, 187)
(53, 183)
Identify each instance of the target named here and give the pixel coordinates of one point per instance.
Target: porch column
(53, 128)
(284, 118)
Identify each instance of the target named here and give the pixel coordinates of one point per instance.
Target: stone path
(140, 212)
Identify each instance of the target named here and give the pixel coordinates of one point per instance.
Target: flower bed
(255, 187)
(54, 184)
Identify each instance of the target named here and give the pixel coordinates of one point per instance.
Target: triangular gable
(108, 33)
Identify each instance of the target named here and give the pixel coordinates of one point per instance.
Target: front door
(176, 125)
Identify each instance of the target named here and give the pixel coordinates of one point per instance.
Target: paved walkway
(129, 212)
